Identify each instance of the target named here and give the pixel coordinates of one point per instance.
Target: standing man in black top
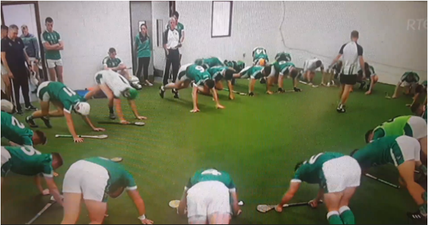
(14, 58)
(171, 43)
(7, 93)
(352, 59)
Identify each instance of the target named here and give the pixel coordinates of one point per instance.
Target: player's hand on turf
(313, 203)
(146, 221)
(78, 139)
(141, 117)
(98, 129)
(124, 122)
(278, 208)
(231, 97)
(46, 192)
(368, 92)
(220, 106)
(269, 92)
(195, 110)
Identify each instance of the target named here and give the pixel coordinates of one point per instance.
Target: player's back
(311, 169)
(116, 171)
(394, 126)
(212, 175)
(212, 62)
(378, 152)
(27, 160)
(196, 72)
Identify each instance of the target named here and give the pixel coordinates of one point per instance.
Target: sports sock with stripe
(347, 215)
(334, 218)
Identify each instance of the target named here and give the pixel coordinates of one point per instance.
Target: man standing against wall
(32, 50)
(171, 43)
(14, 58)
(52, 43)
(352, 58)
(4, 73)
(179, 27)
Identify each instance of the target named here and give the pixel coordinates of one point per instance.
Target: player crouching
(254, 73)
(207, 198)
(404, 153)
(201, 81)
(93, 180)
(221, 73)
(338, 177)
(115, 85)
(278, 70)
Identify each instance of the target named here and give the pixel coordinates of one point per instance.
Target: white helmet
(6, 106)
(82, 108)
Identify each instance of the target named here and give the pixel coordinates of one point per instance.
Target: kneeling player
(201, 82)
(338, 176)
(115, 85)
(333, 73)
(93, 180)
(308, 73)
(66, 101)
(408, 80)
(413, 126)
(372, 76)
(222, 73)
(207, 198)
(18, 134)
(278, 70)
(254, 73)
(403, 152)
(28, 161)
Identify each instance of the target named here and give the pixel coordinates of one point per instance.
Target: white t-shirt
(116, 82)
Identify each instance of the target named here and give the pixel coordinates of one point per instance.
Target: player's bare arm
(71, 129)
(61, 45)
(139, 203)
(53, 189)
(38, 181)
(88, 121)
(135, 111)
(314, 203)
(119, 111)
(195, 99)
(215, 96)
(294, 187)
(236, 209)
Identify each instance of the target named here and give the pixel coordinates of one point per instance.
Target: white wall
(88, 30)
(314, 29)
(160, 10)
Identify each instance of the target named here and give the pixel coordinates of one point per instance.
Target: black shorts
(348, 79)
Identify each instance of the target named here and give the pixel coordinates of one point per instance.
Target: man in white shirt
(171, 43)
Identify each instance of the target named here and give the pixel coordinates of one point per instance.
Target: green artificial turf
(258, 140)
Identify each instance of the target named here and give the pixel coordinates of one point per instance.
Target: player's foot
(296, 89)
(341, 109)
(251, 94)
(362, 85)
(280, 90)
(31, 122)
(176, 95)
(112, 116)
(19, 112)
(30, 107)
(322, 84)
(148, 83)
(161, 91)
(47, 122)
(269, 92)
(416, 216)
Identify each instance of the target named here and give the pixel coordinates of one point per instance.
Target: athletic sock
(347, 215)
(334, 218)
(111, 109)
(423, 209)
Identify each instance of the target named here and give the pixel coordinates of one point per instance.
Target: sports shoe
(262, 80)
(176, 95)
(47, 122)
(112, 116)
(280, 90)
(161, 91)
(251, 94)
(30, 107)
(296, 89)
(31, 122)
(416, 216)
(341, 109)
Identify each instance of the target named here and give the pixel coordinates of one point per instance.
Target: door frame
(39, 28)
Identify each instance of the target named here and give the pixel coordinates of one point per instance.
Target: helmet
(6, 106)
(130, 93)
(135, 82)
(82, 108)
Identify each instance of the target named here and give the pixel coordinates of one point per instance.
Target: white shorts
(410, 150)
(207, 198)
(87, 178)
(52, 63)
(341, 173)
(419, 126)
(45, 96)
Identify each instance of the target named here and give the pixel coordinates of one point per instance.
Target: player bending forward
(115, 85)
(254, 73)
(30, 162)
(278, 70)
(66, 101)
(338, 176)
(407, 80)
(404, 153)
(18, 134)
(207, 198)
(93, 180)
(200, 79)
(308, 74)
(413, 126)
(219, 73)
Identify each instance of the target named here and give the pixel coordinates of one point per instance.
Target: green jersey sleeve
(131, 185)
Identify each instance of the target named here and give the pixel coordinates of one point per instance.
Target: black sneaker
(30, 107)
(280, 90)
(112, 116)
(341, 109)
(31, 122)
(416, 216)
(296, 89)
(176, 95)
(161, 91)
(263, 80)
(251, 94)
(47, 122)
(19, 112)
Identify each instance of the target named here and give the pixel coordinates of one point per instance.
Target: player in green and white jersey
(407, 81)
(260, 56)
(338, 176)
(66, 101)
(236, 65)
(254, 73)
(279, 69)
(413, 126)
(208, 197)
(18, 134)
(402, 151)
(112, 62)
(201, 81)
(219, 73)
(30, 162)
(94, 180)
(283, 56)
(53, 44)
(209, 62)
(114, 86)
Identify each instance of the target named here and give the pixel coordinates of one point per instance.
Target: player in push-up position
(260, 58)
(283, 56)
(94, 180)
(201, 81)
(404, 153)
(209, 62)
(66, 101)
(413, 126)
(254, 73)
(279, 69)
(30, 162)
(18, 134)
(219, 73)
(308, 73)
(114, 86)
(207, 197)
(407, 80)
(338, 176)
